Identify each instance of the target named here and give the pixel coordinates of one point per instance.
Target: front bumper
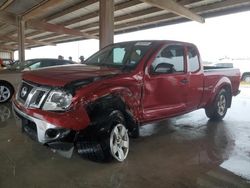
(37, 130)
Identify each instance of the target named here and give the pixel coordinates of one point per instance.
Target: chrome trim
(21, 113)
(41, 89)
(41, 125)
(31, 95)
(19, 90)
(27, 102)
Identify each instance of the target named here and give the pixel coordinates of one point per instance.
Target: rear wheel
(6, 92)
(218, 109)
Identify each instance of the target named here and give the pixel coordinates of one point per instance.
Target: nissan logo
(24, 91)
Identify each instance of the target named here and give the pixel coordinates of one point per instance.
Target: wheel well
(99, 109)
(8, 83)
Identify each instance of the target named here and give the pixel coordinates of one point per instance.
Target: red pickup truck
(96, 107)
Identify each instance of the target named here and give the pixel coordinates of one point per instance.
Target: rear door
(165, 84)
(195, 78)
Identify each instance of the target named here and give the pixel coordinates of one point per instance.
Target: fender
(225, 83)
(125, 95)
(102, 103)
(7, 83)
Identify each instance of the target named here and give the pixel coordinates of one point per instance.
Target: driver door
(165, 85)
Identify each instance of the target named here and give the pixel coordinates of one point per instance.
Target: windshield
(120, 55)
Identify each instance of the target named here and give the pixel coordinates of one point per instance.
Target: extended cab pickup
(96, 107)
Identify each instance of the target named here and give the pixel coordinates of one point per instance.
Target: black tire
(6, 91)
(101, 150)
(218, 109)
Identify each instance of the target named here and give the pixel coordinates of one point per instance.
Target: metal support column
(21, 40)
(106, 22)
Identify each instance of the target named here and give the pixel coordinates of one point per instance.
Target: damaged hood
(65, 75)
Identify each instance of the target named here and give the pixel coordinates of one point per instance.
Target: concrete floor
(187, 151)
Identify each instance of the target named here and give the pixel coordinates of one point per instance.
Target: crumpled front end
(57, 138)
(56, 129)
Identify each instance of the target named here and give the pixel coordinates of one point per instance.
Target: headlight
(57, 101)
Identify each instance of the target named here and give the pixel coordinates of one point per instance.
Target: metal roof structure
(48, 22)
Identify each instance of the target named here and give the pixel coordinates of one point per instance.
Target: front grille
(31, 95)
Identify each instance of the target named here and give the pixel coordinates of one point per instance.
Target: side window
(47, 63)
(193, 60)
(62, 62)
(135, 56)
(169, 60)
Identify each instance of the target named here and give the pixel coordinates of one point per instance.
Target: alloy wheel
(4, 93)
(119, 142)
(221, 105)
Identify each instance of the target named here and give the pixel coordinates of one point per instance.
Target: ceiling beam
(9, 47)
(41, 8)
(62, 38)
(2, 26)
(15, 39)
(170, 17)
(10, 18)
(6, 4)
(117, 19)
(59, 29)
(176, 8)
(70, 9)
(119, 6)
(161, 20)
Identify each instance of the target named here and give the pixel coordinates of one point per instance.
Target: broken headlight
(57, 100)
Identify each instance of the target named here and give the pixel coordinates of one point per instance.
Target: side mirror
(164, 68)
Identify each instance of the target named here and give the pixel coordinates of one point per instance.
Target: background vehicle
(11, 77)
(7, 62)
(97, 107)
(242, 64)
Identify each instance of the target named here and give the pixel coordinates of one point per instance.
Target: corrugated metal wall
(5, 55)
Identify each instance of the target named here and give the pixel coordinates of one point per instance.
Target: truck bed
(214, 75)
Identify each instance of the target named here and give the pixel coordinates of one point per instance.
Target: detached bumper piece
(91, 150)
(29, 127)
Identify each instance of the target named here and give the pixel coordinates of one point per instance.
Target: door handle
(184, 81)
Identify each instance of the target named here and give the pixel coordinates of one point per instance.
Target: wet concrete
(187, 151)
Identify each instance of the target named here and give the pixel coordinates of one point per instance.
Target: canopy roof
(49, 22)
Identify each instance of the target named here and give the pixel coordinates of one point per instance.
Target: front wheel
(113, 144)
(218, 109)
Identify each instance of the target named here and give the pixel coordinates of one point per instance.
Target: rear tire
(6, 91)
(218, 109)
